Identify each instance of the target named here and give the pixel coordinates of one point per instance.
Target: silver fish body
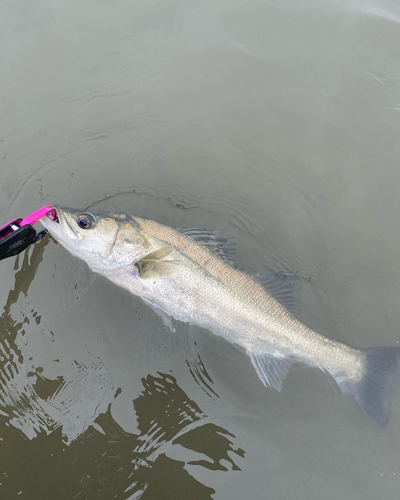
(186, 280)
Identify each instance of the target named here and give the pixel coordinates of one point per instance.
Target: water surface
(274, 122)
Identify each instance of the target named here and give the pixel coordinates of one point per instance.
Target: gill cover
(104, 240)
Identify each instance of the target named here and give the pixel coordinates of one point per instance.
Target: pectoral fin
(152, 264)
(272, 369)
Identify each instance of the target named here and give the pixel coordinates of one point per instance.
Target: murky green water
(275, 122)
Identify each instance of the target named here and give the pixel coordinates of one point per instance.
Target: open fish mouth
(59, 227)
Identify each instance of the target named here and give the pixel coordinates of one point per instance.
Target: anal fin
(271, 368)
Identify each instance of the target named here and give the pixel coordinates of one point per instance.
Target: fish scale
(183, 277)
(242, 293)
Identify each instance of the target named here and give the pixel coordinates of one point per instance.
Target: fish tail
(381, 369)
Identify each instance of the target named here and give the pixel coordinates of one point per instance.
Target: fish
(189, 274)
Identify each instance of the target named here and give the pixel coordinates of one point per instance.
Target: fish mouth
(59, 226)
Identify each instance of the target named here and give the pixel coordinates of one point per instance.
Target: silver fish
(179, 273)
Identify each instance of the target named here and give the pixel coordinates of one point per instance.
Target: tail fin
(382, 368)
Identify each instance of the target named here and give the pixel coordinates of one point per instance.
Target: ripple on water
(259, 239)
(71, 402)
(175, 444)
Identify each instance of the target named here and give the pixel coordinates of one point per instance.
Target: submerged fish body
(179, 273)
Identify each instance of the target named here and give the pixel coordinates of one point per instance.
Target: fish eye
(86, 221)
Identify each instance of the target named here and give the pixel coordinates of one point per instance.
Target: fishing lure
(18, 234)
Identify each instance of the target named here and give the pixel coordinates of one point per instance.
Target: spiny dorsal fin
(216, 241)
(285, 289)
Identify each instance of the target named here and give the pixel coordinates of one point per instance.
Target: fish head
(104, 240)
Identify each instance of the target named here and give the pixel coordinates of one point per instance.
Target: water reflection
(107, 462)
(200, 375)
(170, 425)
(18, 400)
(84, 452)
(29, 401)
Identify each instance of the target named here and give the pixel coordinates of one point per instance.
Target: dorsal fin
(285, 289)
(216, 241)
